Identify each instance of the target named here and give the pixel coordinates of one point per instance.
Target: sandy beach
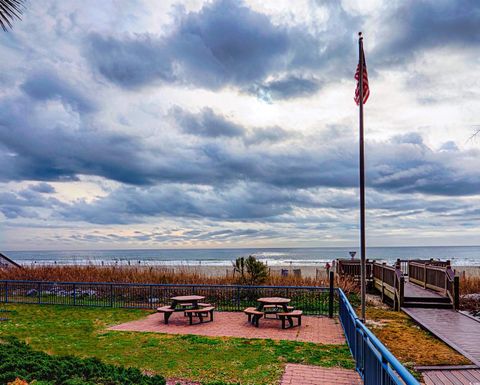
(306, 271)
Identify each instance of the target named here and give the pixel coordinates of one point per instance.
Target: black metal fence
(312, 300)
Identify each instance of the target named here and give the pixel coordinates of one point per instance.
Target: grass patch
(412, 345)
(81, 332)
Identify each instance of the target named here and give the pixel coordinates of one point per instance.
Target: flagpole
(362, 181)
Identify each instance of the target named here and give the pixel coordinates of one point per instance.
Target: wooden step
(427, 299)
(429, 305)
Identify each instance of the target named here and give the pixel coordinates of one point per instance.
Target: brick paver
(230, 324)
(296, 374)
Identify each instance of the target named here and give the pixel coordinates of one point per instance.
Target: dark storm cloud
(131, 204)
(33, 151)
(259, 155)
(418, 25)
(46, 85)
(225, 43)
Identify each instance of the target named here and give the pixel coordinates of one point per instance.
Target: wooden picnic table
(191, 300)
(278, 302)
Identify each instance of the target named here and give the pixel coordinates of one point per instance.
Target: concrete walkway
(322, 330)
(296, 374)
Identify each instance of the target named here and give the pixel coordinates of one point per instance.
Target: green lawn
(81, 331)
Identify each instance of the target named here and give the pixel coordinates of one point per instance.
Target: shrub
(251, 271)
(18, 361)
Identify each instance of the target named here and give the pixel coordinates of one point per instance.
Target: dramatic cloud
(225, 43)
(194, 124)
(47, 86)
(419, 25)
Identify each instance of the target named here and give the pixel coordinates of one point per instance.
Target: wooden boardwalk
(452, 377)
(412, 290)
(455, 329)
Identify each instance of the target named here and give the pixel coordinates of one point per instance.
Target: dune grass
(141, 274)
(82, 332)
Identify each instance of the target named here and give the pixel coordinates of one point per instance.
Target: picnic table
(186, 300)
(274, 305)
(273, 302)
(190, 306)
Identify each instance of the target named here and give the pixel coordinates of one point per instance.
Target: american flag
(366, 89)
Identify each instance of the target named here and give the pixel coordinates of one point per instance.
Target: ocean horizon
(296, 256)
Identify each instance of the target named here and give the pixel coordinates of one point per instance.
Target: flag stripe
(366, 89)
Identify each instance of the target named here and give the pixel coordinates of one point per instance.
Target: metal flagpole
(362, 180)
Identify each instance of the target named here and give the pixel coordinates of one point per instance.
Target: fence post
(6, 292)
(330, 297)
(74, 294)
(111, 295)
(39, 291)
(238, 298)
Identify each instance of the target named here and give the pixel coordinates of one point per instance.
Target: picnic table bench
(200, 313)
(190, 306)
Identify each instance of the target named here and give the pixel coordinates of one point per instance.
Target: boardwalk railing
(390, 282)
(437, 276)
(351, 267)
(374, 362)
(312, 300)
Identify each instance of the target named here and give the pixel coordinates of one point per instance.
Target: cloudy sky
(227, 123)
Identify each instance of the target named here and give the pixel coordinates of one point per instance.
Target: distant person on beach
(327, 267)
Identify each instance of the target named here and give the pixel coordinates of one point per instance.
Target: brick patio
(296, 374)
(321, 330)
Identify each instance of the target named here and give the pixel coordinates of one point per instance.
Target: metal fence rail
(312, 300)
(374, 362)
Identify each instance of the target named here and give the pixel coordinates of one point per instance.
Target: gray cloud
(206, 123)
(418, 25)
(287, 87)
(46, 85)
(261, 155)
(225, 43)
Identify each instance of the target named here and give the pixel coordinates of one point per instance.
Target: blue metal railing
(311, 299)
(375, 364)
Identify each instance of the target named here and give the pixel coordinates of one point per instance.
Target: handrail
(392, 279)
(370, 346)
(438, 276)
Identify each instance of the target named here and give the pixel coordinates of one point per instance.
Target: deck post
(401, 291)
(383, 275)
(456, 292)
(424, 275)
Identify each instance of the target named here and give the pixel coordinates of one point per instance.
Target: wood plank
(454, 328)
(451, 377)
(412, 290)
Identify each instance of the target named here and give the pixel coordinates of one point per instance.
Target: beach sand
(222, 271)
(306, 271)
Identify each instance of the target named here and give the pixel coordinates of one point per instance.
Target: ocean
(459, 255)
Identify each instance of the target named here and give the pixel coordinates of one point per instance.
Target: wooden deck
(452, 377)
(412, 290)
(456, 329)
